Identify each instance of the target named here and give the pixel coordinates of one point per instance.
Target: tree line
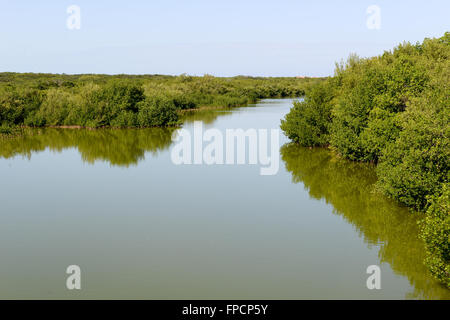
(393, 110)
(39, 100)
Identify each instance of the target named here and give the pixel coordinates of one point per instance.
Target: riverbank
(93, 101)
(317, 212)
(7, 131)
(392, 110)
(10, 131)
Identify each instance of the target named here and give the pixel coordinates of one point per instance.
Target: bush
(394, 110)
(416, 164)
(16, 104)
(101, 100)
(157, 112)
(8, 131)
(436, 234)
(53, 110)
(115, 103)
(308, 121)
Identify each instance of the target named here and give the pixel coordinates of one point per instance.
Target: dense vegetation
(93, 101)
(393, 110)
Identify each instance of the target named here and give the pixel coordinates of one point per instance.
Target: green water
(140, 227)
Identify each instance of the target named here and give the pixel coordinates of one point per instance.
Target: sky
(197, 37)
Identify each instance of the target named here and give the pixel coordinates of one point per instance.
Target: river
(140, 227)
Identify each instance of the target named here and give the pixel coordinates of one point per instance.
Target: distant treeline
(39, 100)
(393, 110)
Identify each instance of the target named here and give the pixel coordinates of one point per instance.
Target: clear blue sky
(222, 38)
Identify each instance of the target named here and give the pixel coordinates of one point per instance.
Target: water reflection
(207, 116)
(120, 147)
(349, 188)
(346, 186)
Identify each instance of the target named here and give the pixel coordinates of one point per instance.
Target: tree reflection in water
(120, 147)
(349, 188)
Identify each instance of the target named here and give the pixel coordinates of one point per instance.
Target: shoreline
(180, 112)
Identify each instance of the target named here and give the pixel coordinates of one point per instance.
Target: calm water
(112, 202)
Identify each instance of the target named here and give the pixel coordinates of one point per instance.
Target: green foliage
(16, 104)
(7, 131)
(393, 110)
(436, 234)
(157, 112)
(128, 101)
(416, 164)
(308, 121)
(113, 104)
